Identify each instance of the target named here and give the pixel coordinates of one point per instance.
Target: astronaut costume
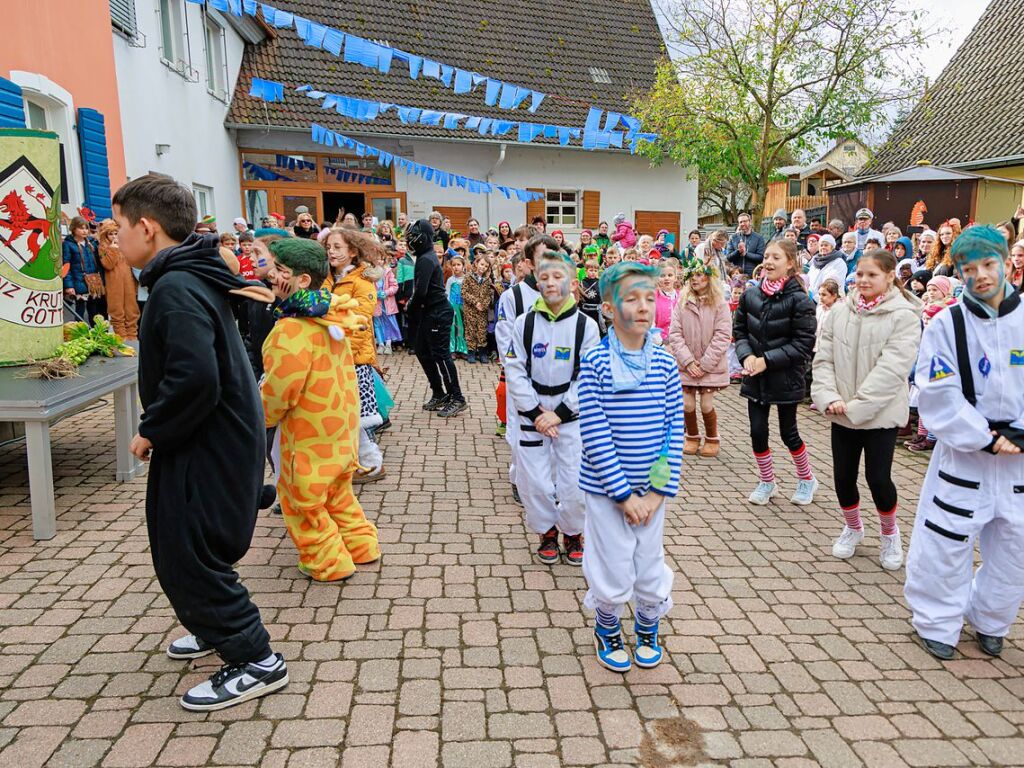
(542, 364)
(970, 374)
(511, 304)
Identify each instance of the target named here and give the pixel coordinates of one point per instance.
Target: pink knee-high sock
(765, 467)
(888, 521)
(852, 517)
(803, 463)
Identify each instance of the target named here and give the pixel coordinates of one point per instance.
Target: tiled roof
(539, 44)
(972, 113)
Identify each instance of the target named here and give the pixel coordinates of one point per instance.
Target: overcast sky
(956, 16)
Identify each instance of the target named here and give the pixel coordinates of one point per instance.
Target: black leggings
(432, 350)
(788, 431)
(878, 446)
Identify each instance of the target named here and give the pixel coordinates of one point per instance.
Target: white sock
(268, 662)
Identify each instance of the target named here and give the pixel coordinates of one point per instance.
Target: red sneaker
(548, 551)
(573, 549)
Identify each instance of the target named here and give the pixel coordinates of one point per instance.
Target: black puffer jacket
(781, 329)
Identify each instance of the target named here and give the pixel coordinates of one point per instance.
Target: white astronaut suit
(970, 493)
(513, 303)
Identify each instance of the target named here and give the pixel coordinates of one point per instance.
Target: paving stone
(460, 650)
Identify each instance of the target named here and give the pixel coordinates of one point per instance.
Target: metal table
(37, 402)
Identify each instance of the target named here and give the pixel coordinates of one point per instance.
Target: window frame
(215, 51)
(124, 18)
(209, 202)
(563, 206)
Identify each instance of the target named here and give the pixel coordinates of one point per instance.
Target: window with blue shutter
(12, 105)
(92, 141)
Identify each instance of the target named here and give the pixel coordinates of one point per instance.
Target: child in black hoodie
(202, 429)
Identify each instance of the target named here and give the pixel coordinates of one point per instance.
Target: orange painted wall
(71, 43)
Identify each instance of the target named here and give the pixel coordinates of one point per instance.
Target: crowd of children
(607, 350)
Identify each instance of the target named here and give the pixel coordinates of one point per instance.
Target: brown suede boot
(692, 443)
(711, 440)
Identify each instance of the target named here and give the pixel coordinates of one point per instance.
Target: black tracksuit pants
(197, 532)
(433, 350)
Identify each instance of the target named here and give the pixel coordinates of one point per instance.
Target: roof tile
(972, 112)
(547, 46)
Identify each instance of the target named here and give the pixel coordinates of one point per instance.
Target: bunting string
(357, 50)
(595, 136)
(442, 178)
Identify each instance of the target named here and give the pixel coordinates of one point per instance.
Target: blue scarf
(629, 367)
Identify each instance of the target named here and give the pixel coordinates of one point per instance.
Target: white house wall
(626, 183)
(160, 106)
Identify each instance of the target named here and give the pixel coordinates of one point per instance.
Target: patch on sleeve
(511, 351)
(501, 314)
(1017, 357)
(940, 369)
(563, 353)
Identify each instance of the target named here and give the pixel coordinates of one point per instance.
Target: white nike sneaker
(846, 544)
(891, 554)
(235, 683)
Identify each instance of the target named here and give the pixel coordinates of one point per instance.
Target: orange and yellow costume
(310, 392)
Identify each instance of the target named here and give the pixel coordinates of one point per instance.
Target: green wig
(980, 241)
(613, 277)
(302, 257)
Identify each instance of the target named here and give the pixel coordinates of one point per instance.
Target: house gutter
(990, 162)
(490, 176)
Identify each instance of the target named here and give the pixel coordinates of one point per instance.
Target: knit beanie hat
(942, 284)
(827, 239)
(980, 241)
(781, 214)
(302, 257)
(619, 218)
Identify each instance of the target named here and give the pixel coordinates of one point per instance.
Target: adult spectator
(240, 225)
(816, 227)
(863, 229)
(692, 241)
(539, 224)
(779, 221)
(367, 219)
(474, 236)
(441, 234)
(602, 238)
(304, 224)
(798, 221)
(402, 225)
(712, 252)
(746, 247)
(837, 228)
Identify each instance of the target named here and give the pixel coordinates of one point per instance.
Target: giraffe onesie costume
(310, 390)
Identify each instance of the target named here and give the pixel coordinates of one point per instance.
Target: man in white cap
(240, 225)
(863, 229)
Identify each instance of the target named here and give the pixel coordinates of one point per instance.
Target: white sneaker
(763, 493)
(805, 492)
(891, 554)
(846, 544)
(380, 349)
(387, 348)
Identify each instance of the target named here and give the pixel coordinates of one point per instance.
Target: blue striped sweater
(623, 432)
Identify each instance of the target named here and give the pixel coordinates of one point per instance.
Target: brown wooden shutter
(591, 209)
(535, 207)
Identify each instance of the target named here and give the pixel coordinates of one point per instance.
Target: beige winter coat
(864, 360)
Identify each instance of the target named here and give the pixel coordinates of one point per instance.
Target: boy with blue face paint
(631, 423)
(971, 375)
(542, 365)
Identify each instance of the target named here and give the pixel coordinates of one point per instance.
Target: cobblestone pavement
(461, 651)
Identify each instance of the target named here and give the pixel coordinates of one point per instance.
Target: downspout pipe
(490, 178)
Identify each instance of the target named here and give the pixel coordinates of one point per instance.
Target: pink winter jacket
(390, 305)
(625, 235)
(701, 332)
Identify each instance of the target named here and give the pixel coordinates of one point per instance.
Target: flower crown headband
(697, 267)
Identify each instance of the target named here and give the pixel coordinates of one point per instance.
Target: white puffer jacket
(864, 359)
